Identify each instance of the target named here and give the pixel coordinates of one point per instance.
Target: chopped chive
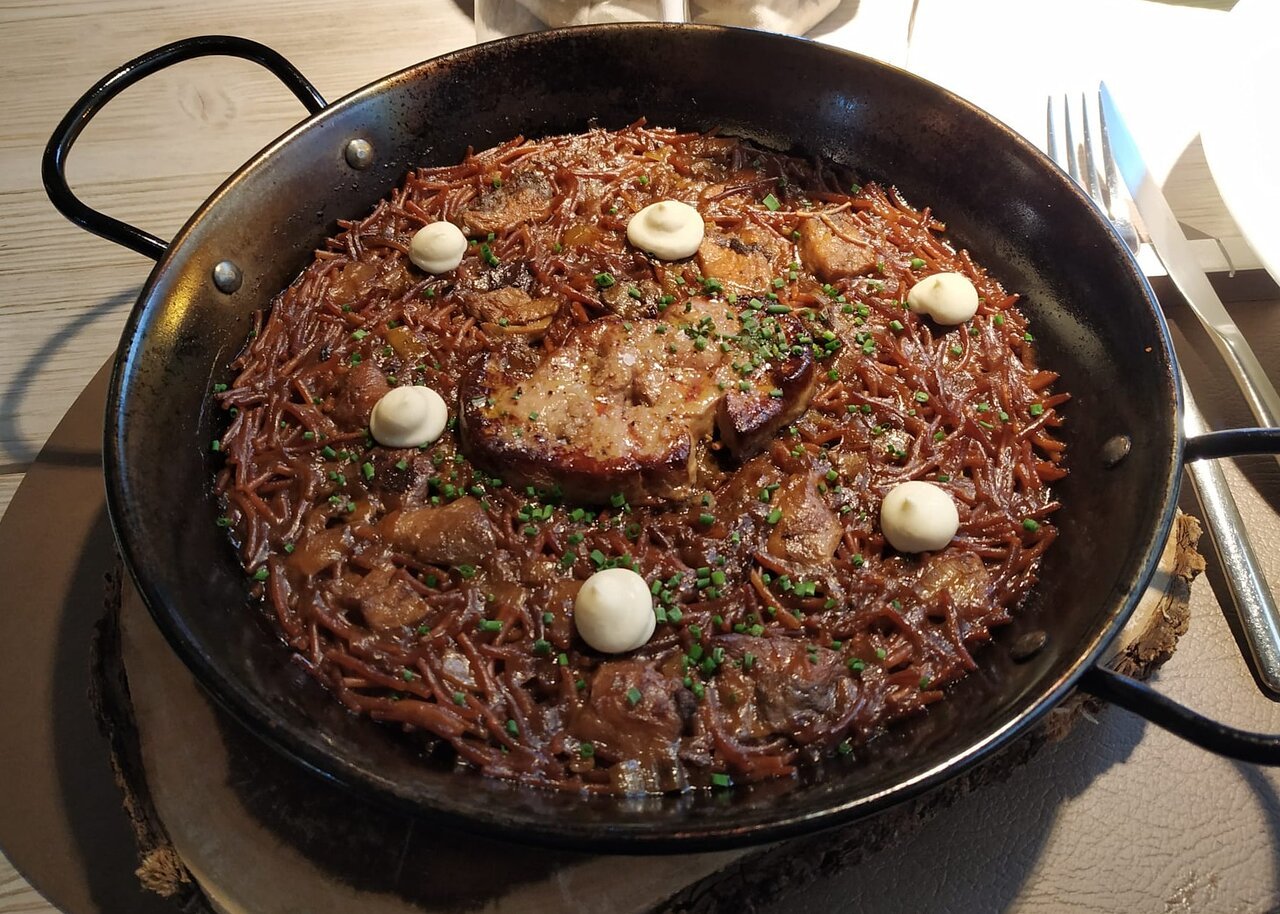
(916, 263)
(1035, 409)
(490, 625)
(367, 470)
(261, 574)
(605, 280)
(774, 516)
(1030, 525)
(719, 779)
(633, 696)
(896, 326)
(215, 445)
(513, 728)
(586, 750)
(459, 698)
(771, 203)
(707, 519)
(467, 571)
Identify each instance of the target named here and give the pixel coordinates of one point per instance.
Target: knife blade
(1179, 260)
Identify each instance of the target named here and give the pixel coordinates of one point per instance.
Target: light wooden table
(158, 151)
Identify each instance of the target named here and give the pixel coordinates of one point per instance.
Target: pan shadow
(18, 453)
(84, 779)
(370, 848)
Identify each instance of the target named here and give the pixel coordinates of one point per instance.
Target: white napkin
(793, 16)
(1007, 56)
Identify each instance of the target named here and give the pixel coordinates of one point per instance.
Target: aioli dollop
(408, 417)
(437, 247)
(918, 516)
(614, 611)
(949, 298)
(668, 229)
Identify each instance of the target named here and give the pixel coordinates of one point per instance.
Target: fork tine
(1071, 143)
(1090, 169)
(1108, 162)
(1051, 130)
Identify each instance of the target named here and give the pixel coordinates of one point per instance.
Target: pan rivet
(359, 154)
(1028, 645)
(227, 276)
(1115, 449)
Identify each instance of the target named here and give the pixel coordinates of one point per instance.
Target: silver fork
(1254, 605)
(1108, 197)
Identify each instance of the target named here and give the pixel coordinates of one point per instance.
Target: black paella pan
(1096, 321)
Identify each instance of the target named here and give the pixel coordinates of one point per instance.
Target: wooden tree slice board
(223, 824)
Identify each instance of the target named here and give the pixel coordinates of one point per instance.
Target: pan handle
(1234, 442)
(1141, 699)
(1252, 597)
(53, 168)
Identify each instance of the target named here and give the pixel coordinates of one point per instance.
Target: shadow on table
(25, 380)
(84, 783)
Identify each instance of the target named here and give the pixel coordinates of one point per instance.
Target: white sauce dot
(408, 417)
(918, 516)
(614, 611)
(949, 298)
(668, 229)
(437, 247)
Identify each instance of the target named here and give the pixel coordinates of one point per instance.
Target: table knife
(1252, 599)
(1179, 259)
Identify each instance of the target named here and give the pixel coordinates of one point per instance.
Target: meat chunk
(792, 688)
(387, 601)
(459, 533)
(625, 406)
(618, 728)
(510, 306)
(748, 420)
(808, 531)
(834, 247)
(359, 391)
(319, 551)
(960, 575)
(745, 261)
(524, 197)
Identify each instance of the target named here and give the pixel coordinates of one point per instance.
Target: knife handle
(1250, 596)
(1249, 374)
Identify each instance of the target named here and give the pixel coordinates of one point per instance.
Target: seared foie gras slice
(623, 406)
(748, 420)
